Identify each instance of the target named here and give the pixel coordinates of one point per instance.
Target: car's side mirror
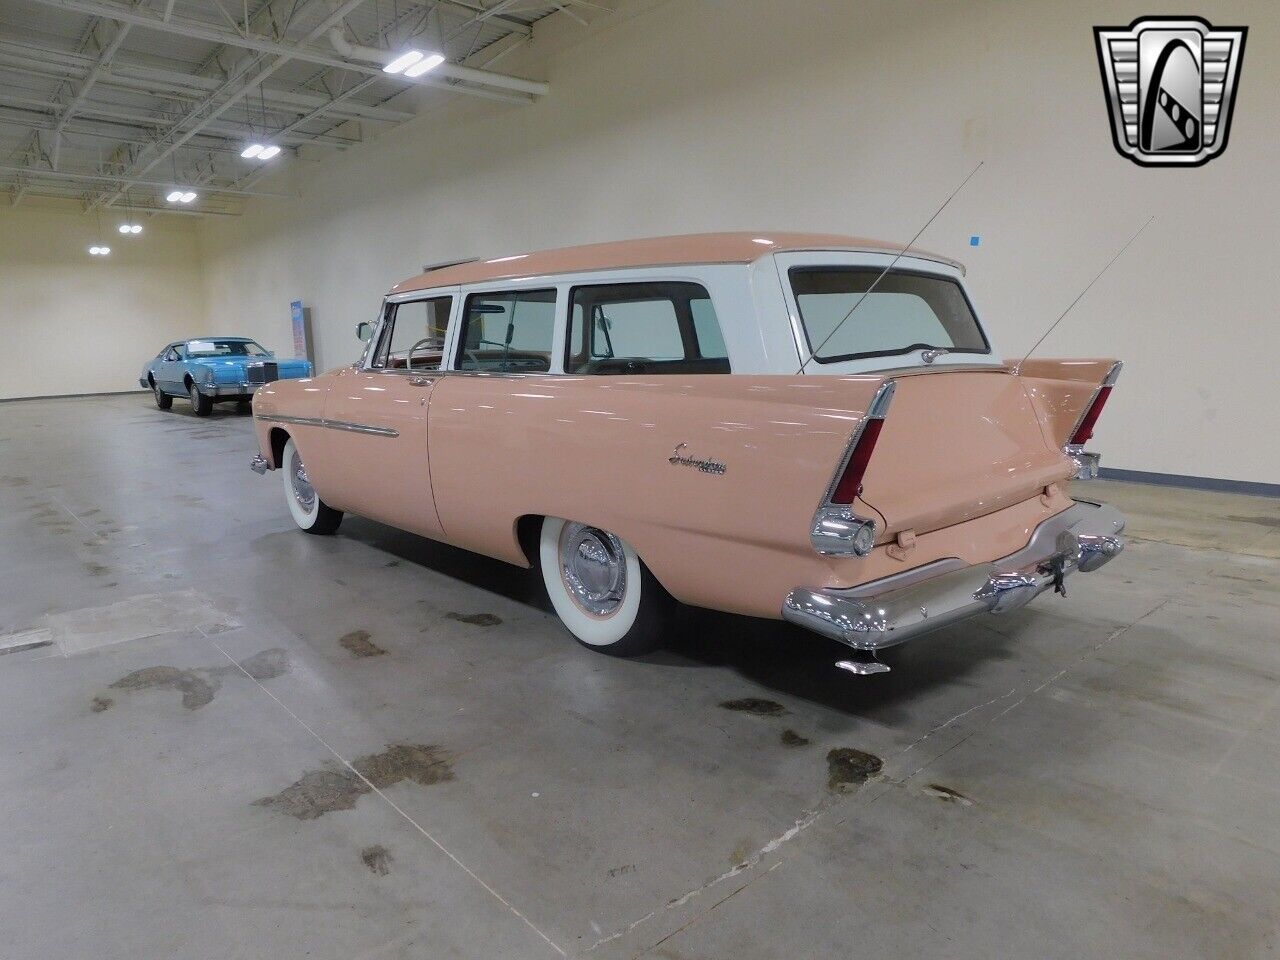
(364, 331)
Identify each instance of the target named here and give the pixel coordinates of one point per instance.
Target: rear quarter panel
(1061, 390)
(598, 450)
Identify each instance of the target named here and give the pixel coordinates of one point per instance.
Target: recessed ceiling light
(188, 196)
(135, 228)
(251, 151)
(268, 152)
(407, 59)
(429, 62)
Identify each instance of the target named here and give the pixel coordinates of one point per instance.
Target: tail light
(836, 531)
(1084, 432)
(850, 483)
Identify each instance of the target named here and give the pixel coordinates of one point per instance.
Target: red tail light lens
(851, 480)
(1084, 432)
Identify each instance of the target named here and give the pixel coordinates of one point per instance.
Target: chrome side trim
(1083, 537)
(331, 424)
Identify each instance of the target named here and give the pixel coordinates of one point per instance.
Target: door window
(508, 331)
(414, 325)
(665, 327)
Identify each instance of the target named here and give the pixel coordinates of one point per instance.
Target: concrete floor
(1096, 777)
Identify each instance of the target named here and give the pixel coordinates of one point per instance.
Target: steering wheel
(425, 341)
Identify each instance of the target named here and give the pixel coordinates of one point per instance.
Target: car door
(377, 414)
(170, 372)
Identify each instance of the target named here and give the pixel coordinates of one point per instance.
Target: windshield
(225, 348)
(906, 311)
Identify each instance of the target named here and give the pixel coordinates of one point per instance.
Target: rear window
(904, 312)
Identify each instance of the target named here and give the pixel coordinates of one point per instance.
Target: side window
(661, 327)
(417, 325)
(508, 331)
(173, 354)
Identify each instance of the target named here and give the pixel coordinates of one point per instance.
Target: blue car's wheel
(201, 405)
(163, 400)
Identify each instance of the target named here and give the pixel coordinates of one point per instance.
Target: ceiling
(114, 103)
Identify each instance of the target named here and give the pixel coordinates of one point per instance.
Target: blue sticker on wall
(975, 240)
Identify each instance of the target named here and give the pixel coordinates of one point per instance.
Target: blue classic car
(209, 370)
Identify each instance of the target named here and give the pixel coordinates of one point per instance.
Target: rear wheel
(600, 590)
(201, 405)
(309, 512)
(163, 400)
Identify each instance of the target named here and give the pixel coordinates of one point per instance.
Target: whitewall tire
(309, 512)
(599, 588)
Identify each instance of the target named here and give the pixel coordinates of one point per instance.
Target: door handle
(422, 381)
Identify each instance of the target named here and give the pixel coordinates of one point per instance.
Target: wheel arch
(276, 440)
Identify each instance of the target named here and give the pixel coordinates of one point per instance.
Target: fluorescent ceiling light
(188, 196)
(268, 152)
(125, 228)
(406, 59)
(174, 196)
(429, 62)
(99, 251)
(251, 151)
(135, 228)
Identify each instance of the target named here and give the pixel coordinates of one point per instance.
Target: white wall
(842, 116)
(73, 323)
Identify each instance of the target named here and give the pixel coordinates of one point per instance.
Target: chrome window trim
(330, 424)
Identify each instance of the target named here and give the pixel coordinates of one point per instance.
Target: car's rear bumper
(872, 616)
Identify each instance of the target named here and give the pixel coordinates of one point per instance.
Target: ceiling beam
(35, 173)
(335, 17)
(122, 33)
(298, 51)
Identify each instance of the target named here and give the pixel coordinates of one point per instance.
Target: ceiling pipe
(455, 71)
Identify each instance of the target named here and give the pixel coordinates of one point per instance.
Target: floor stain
(622, 870)
(792, 739)
(848, 768)
(1261, 521)
(101, 703)
(755, 706)
(14, 481)
(358, 644)
(97, 569)
(199, 686)
(378, 859)
(947, 795)
(392, 563)
(475, 619)
(324, 791)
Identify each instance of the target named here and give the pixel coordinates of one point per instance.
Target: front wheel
(163, 400)
(309, 512)
(201, 405)
(601, 591)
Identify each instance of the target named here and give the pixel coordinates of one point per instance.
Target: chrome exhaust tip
(864, 665)
(259, 465)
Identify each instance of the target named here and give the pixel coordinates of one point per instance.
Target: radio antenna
(814, 353)
(1018, 369)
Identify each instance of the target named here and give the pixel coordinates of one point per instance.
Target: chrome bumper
(876, 615)
(228, 389)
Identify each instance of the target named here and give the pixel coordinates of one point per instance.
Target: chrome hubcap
(594, 568)
(303, 492)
